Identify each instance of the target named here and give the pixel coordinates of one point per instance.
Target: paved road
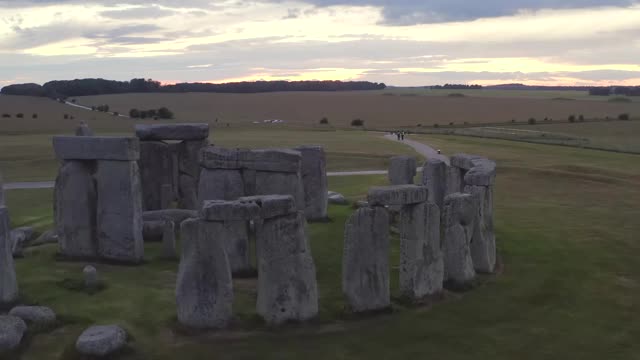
(424, 150)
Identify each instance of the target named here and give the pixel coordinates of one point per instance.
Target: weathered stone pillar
(189, 172)
(156, 171)
(402, 170)
(458, 224)
(434, 177)
(421, 258)
(314, 178)
(365, 260)
(8, 281)
(119, 211)
(221, 176)
(278, 172)
(75, 202)
(287, 288)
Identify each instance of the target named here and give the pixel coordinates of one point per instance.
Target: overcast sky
(401, 42)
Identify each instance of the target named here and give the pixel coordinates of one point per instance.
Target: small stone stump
(101, 340)
(91, 280)
(365, 261)
(458, 224)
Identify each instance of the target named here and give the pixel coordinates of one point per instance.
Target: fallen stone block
(101, 340)
(39, 315)
(12, 329)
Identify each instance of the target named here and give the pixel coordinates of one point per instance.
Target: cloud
(144, 12)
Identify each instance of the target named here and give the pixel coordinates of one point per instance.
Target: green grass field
(566, 224)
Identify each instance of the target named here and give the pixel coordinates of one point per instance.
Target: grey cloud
(138, 13)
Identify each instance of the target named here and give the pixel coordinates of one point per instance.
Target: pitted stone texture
(220, 184)
(220, 210)
(213, 157)
(314, 179)
(119, 211)
(271, 160)
(458, 225)
(40, 315)
(397, 195)
(169, 241)
(421, 258)
(271, 206)
(173, 132)
(236, 237)
(188, 156)
(434, 177)
(402, 170)
(175, 215)
(280, 183)
(90, 275)
(155, 171)
(83, 130)
(8, 281)
(287, 288)
(188, 192)
(96, 148)
(483, 173)
(455, 178)
(365, 261)
(75, 201)
(12, 329)
(101, 340)
(204, 290)
(483, 241)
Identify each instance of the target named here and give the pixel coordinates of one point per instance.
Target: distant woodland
(61, 89)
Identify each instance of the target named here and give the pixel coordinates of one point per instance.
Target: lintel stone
(397, 195)
(96, 148)
(272, 205)
(172, 131)
(220, 210)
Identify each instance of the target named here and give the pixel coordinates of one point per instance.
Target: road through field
(424, 150)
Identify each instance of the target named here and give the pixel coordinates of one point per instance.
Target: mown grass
(566, 222)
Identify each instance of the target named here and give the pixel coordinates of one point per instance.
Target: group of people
(400, 135)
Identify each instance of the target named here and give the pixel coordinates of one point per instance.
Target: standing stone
(458, 225)
(236, 235)
(155, 172)
(1, 191)
(166, 195)
(421, 259)
(90, 275)
(281, 183)
(314, 179)
(83, 129)
(287, 288)
(434, 177)
(483, 241)
(402, 170)
(189, 172)
(75, 203)
(187, 192)
(365, 262)
(119, 211)
(169, 241)
(455, 177)
(204, 290)
(220, 184)
(8, 281)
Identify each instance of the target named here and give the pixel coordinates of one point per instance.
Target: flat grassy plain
(375, 108)
(500, 93)
(566, 224)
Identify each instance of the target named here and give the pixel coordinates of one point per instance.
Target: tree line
(61, 89)
(456, 87)
(615, 90)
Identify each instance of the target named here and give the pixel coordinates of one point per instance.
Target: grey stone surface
(421, 258)
(187, 192)
(176, 215)
(483, 241)
(90, 275)
(83, 129)
(220, 184)
(204, 290)
(75, 201)
(271, 160)
(189, 155)
(47, 237)
(153, 230)
(155, 171)
(40, 315)
(101, 340)
(434, 177)
(314, 179)
(1, 190)
(221, 210)
(271, 206)
(169, 241)
(483, 173)
(172, 131)
(236, 238)
(402, 170)
(337, 199)
(455, 178)
(397, 195)
(96, 148)
(365, 261)
(8, 281)
(167, 196)
(287, 288)
(12, 329)
(213, 157)
(464, 161)
(280, 183)
(119, 211)
(458, 218)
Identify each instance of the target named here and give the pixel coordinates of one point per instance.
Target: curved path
(424, 150)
